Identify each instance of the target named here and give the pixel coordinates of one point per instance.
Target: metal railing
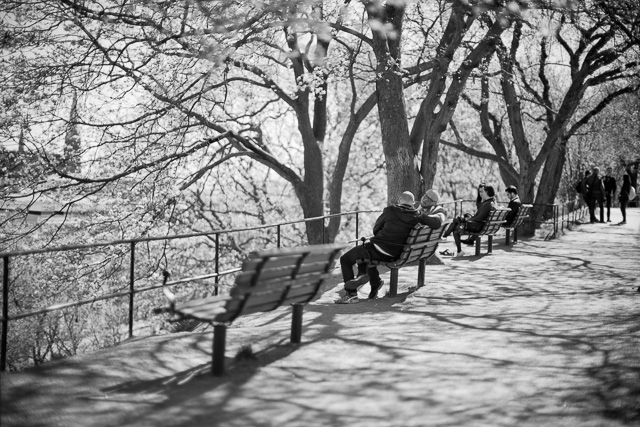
(131, 290)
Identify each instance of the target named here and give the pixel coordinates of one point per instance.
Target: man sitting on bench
(514, 205)
(390, 234)
(472, 224)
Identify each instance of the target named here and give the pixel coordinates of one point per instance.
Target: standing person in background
(609, 190)
(624, 197)
(582, 187)
(595, 194)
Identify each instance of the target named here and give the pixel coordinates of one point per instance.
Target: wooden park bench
(490, 227)
(268, 279)
(420, 246)
(521, 216)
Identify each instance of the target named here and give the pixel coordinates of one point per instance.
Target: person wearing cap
(472, 223)
(390, 230)
(514, 204)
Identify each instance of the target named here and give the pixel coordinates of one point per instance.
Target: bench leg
(219, 342)
(393, 286)
(489, 243)
(515, 235)
(296, 323)
(421, 268)
(478, 246)
(507, 236)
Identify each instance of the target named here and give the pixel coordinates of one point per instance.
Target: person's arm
(434, 218)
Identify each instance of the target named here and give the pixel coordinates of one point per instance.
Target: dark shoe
(469, 242)
(355, 283)
(374, 290)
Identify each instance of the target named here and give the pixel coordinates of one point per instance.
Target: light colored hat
(406, 198)
(430, 198)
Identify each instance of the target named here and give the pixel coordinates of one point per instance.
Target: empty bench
(521, 216)
(489, 228)
(268, 279)
(420, 246)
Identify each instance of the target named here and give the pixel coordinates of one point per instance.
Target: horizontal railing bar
(174, 237)
(62, 306)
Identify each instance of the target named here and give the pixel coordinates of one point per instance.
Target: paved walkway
(546, 333)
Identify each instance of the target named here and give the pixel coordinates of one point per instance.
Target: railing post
(132, 262)
(5, 312)
(555, 223)
(357, 226)
(215, 291)
(323, 226)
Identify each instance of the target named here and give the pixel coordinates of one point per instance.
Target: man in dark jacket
(609, 182)
(595, 194)
(514, 205)
(390, 234)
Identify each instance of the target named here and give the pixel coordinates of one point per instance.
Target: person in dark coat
(472, 223)
(609, 190)
(595, 194)
(390, 234)
(623, 197)
(514, 204)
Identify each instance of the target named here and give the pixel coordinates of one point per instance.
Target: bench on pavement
(268, 279)
(489, 228)
(421, 244)
(521, 216)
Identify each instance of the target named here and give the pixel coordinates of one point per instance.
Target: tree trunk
(402, 174)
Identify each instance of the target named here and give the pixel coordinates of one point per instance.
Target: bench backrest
(272, 278)
(521, 216)
(421, 243)
(493, 222)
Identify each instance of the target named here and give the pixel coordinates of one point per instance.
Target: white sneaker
(459, 254)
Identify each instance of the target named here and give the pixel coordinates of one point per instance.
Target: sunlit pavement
(543, 333)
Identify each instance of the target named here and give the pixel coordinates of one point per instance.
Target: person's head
(512, 192)
(487, 191)
(596, 171)
(609, 171)
(429, 199)
(587, 173)
(406, 198)
(626, 179)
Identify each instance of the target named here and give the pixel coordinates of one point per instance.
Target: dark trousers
(592, 200)
(608, 198)
(360, 255)
(459, 226)
(623, 208)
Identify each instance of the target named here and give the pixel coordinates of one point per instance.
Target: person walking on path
(471, 224)
(514, 204)
(625, 196)
(609, 190)
(390, 234)
(595, 194)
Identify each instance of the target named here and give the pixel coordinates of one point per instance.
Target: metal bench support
(393, 286)
(296, 323)
(219, 343)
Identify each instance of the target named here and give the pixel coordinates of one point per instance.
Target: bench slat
(246, 278)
